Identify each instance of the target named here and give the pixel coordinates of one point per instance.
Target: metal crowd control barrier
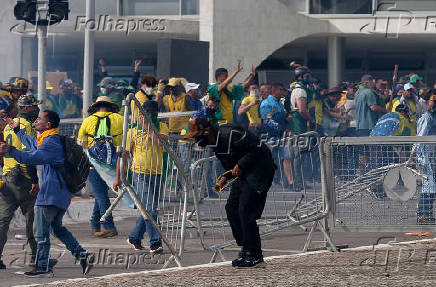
(155, 180)
(382, 184)
(298, 196)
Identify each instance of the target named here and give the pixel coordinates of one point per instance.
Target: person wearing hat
(146, 151)
(67, 104)
(103, 118)
(425, 154)
(193, 91)
(409, 99)
(21, 180)
(367, 108)
(108, 88)
(176, 100)
(334, 120)
(252, 164)
(17, 87)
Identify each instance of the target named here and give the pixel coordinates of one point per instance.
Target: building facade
(337, 39)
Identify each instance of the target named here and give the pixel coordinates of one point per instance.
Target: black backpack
(75, 171)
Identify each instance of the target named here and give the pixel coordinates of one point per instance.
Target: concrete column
(206, 12)
(88, 59)
(336, 61)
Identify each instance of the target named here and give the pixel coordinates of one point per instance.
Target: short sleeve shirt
(365, 118)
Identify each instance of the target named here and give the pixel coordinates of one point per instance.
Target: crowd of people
(272, 110)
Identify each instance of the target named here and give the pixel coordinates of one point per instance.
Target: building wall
(251, 30)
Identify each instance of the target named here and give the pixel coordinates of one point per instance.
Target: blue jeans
(101, 202)
(147, 188)
(49, 218)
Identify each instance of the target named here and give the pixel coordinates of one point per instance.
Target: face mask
(148, 90)
(104, 91)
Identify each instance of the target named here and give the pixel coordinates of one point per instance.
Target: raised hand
(239, 67)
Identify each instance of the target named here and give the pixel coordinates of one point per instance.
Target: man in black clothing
(252, 163)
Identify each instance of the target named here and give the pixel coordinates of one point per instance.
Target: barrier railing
(300, 159)
(153, 180)
(383, 183)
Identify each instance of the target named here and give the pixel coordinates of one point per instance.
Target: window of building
(160, 7)
(340, 6)
(406, 5)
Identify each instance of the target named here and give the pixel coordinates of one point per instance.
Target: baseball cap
(191, 86)
(408, 86)
(28, 100)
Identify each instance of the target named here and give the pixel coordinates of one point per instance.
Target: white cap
(191, 86)
(408, 86)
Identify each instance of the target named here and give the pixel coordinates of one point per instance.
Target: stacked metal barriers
(304, 200)
(382, 184)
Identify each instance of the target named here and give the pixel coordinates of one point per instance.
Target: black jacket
(235, 145)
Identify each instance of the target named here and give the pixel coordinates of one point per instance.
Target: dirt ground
(405, 264)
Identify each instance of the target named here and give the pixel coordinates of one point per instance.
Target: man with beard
(66, 104)
(253, 167)
(21, 181)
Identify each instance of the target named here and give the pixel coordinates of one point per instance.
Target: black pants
(244, 206)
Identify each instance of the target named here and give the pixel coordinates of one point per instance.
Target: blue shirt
(273, 117)
(53, 190)
(365, 118)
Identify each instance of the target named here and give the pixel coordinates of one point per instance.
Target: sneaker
(39, 274)
(95, 232)
(156, 250)
(238, 260)
(87, 262)
(2, 265)
(105, 233)
(51, 263)
(251, 261)
(424, 220)
(135, 244)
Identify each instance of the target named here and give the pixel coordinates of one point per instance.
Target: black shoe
(39, 274)
(51, 262)
(237, 261)
(87, 262)
(251, 261)
(156, 250)
(2, 265)
(135, 244)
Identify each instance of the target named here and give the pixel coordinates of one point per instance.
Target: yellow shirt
(147, 153)
(87, 130)
(253, 112)
(142, 98)
(179, 105)
(226, 107)
(413, 120)
(11, 139)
